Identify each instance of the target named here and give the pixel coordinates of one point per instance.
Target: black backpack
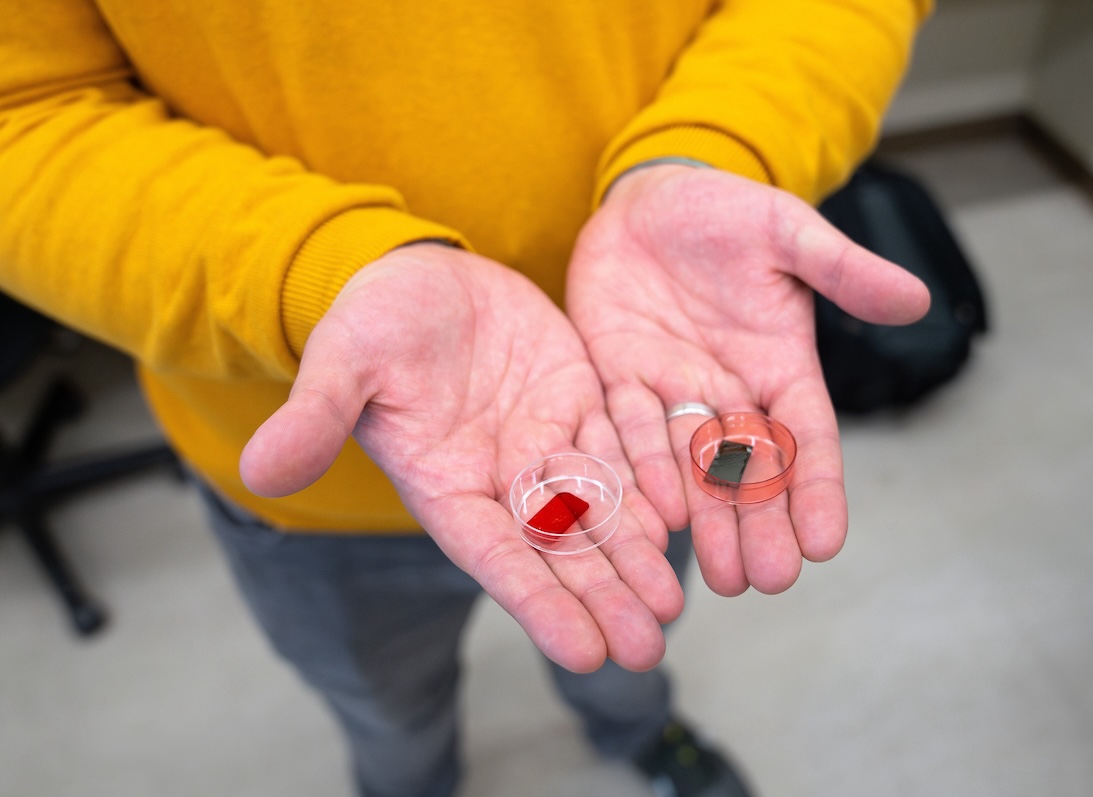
(870, 367)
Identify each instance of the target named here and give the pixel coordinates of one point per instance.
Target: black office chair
(30, 485)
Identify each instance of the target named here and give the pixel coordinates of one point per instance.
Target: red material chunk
(575, 505)
(559, 513)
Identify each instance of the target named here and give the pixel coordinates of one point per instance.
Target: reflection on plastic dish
(742, 457)
(566, 503)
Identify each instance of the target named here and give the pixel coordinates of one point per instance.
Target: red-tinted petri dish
(769, 465)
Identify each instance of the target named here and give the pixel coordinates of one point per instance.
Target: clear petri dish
(566, 504)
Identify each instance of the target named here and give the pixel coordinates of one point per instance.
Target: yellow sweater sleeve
(790, 92)
(193, 252)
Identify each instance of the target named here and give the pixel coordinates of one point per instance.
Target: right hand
(697, 285)
(452, 372)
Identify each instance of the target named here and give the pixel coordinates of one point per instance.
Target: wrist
(714, 148)
(335, 252)
(652, 163)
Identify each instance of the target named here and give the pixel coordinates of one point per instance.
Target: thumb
(300, 441)
(861, 283)
(295, 446)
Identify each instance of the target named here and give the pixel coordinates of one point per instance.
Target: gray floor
(946, 651)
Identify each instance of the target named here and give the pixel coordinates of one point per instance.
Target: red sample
(559, 513)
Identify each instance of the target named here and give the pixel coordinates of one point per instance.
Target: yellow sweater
(192, 181)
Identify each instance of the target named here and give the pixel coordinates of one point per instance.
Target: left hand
(452, 372)
(695, 285)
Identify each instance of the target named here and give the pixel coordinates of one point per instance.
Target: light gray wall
(973, 60)
(1061, 90)
(978, 59)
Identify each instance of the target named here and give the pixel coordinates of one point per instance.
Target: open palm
(453, 372)
(696, 285)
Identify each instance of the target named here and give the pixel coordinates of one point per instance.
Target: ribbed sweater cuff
(337, 250)
(704, 144)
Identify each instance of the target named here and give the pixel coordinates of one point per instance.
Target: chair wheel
(88, 620)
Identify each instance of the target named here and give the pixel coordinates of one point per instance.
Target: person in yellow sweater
(372, 258)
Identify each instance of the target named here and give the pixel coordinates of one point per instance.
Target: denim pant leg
(373, 624)
(624, 712)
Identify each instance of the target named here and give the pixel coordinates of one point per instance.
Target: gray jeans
(373, 623)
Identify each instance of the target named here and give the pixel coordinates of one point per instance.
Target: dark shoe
(680, 765)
